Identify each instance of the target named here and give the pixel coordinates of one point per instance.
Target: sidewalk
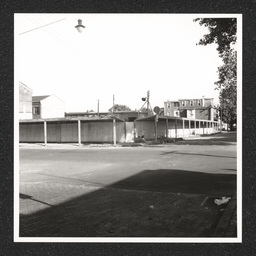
(227, 225)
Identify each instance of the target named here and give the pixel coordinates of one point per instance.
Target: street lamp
(80, 27)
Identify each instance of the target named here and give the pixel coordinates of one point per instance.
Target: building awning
(39, 98)
(83, 119)
(152, 118)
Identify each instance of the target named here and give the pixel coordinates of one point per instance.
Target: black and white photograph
(128, 127)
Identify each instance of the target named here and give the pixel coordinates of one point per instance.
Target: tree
(222, 31)
(228, 71)
(228, 105)
(144, 110)
(227, 85)
(118, 107)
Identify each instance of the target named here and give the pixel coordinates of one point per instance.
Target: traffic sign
(157, 110)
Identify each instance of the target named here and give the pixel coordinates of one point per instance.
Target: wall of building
(208, 102)
(96, 131)
(171, 108)
(202, 114)
(191, 103)
(175, 128)
(191, 108)
(31, 132)
(102, 131)
(52, 107)
(145, 128)
(25, 102)
(60, 132)
(36, 108)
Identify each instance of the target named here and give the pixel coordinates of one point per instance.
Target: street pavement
(163, 190)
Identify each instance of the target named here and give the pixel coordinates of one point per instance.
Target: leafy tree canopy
(228, 71)
(118, 107)
(228, 105)
(222, 31)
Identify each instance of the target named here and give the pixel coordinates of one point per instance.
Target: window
(191, 103)
(199, 102)
(168, 105)
(191, 113)
(183, 103)
(36, 110)
(176, 104)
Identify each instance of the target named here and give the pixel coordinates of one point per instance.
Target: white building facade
(49, 106)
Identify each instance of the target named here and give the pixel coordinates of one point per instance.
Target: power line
(49, 32)
(59, 37)
(41, 26)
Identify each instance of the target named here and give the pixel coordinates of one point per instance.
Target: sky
(124, 55)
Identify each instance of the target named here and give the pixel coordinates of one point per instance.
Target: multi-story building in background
(172, 108)
(201, 108)
(25, 101)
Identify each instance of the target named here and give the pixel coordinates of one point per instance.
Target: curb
(224, 227)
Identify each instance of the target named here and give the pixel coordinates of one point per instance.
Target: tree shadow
(224, 139)
(152, 203)
(232, 170)
(193, 154)
(207, 142)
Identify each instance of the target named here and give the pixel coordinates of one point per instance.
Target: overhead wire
(41, 26)
(58, 36)
(60, 39)
(46, 30)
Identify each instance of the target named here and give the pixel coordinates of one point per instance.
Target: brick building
(201, 108)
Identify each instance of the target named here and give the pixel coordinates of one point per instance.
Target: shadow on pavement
(180, 181)
(153, 203)
(193, 154)
(224, 138)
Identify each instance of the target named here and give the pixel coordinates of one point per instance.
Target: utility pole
(98, 108)
(113, 103)
(148, 94)
(221, 118)
(146, 99)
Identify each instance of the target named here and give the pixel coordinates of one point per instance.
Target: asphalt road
(157, 191)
